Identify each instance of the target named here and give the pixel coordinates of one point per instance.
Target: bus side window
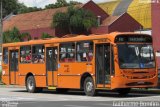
(25, 54)
(84, 51)
(5, 55)
(67, 52)
(38, 54)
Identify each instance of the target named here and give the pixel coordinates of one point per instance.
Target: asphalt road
(19, 97)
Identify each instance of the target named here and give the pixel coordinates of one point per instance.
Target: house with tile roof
(39, 22)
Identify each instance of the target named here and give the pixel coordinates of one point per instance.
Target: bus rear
(135, 63)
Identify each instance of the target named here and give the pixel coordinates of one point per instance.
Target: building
(121, 23)
(39, 22)
(156, 28)
(140, 10)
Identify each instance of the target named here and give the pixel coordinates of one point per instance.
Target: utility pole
(1, 26)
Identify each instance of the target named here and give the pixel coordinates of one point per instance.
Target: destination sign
(133, 38)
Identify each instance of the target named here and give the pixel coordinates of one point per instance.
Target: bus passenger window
(84, 51)
(67, 52)
(25, 54)
(5, 55)
(38, 54)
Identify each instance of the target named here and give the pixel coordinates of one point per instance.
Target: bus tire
(123, 91)
(89, 87)
(31, 85)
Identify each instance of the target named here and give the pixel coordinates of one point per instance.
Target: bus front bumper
(122, 82)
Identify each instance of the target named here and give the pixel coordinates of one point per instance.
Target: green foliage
(60, 20)
(28, 9)
(61, 3)
(74, 3)
(14, 35)
(9, 6)
(13, 6)
(46, 35)
(75, 20)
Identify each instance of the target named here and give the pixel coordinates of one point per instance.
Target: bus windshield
(136, 56)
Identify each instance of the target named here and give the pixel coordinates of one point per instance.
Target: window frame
(74, 52)
(20, 54)
(88, 41)
(3, 59)
(33, 54)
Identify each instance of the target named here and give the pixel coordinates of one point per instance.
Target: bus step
(51, 88)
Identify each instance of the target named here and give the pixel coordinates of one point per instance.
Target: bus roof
(110, 36)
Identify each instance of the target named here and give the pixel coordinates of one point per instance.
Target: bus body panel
(69, 74)
(69, 82)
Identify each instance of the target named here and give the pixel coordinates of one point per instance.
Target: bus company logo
(9, 103)
(149, 1)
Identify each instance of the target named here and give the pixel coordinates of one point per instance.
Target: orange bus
(116, 61)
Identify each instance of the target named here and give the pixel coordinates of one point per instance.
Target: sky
(42, 3)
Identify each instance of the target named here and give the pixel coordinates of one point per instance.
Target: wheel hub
(89, 86)
(30, 85)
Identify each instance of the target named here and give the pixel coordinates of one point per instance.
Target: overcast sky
(42, 3)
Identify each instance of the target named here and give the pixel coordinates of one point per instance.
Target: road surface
(19, 97)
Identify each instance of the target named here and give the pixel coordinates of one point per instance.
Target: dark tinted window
(38, 54)
(25, 54)
(67, 52)
(84, 51)
(5, 55)
(136, 56)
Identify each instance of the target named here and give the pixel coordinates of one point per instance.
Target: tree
(11, 6)
(28, 9)
(75, 20)
(14, 35)
(50, 6)
(46, 35)
(74, 3)
(61, 3)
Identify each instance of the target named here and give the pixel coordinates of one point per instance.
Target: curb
(11, 86)
(148, 90)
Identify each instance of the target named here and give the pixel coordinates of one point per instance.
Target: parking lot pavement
(72, 98)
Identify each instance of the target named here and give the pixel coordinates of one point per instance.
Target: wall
(91, 6)
(124, 23)
(99, 30)
(37, 33)
(156, 27)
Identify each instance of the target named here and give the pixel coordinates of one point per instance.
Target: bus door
(52, 65)
(103, 64)
(13, 66)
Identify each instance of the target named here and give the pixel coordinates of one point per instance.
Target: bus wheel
(89, 87)
(31, 84)
(123, 91)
